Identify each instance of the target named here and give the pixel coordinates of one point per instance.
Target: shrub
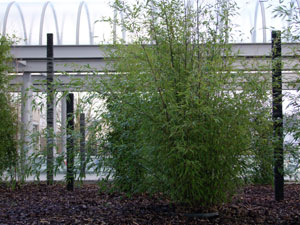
(181, 121)
(8, 125)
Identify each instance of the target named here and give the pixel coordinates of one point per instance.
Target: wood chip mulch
(42, 204)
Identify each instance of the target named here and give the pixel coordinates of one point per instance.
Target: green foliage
(126, 159)
(181, 122)
(260, 163)
(8, 127)
(288, 12)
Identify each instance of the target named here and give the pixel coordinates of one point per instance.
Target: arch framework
(48, 3)
(22, 19)
(263, 18)
(81, 5)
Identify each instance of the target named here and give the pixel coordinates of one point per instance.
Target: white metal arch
(22, 19)
(263, 18)
(42, 22)
(123, 30)
(62, 29)
(81, 5)
(30, 32)
(115, 26)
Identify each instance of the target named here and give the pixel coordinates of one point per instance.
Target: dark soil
(42, 204)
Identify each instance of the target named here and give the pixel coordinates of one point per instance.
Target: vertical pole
(70, 142)
(115, 27)
(82, 145)
(63, 123)
(26, 125)
(277, 115)
(50, 109)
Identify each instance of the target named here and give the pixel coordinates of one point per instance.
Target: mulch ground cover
(42, 204)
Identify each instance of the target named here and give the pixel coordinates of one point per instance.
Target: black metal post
(50, 109)
(70, 142)
(82, 145)
(277, 115)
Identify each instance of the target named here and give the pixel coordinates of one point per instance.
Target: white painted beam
(93, 58)
(92, 82)
(99, 51)
(60, 51)
(78, 82)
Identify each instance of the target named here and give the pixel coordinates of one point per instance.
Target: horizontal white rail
(90, 58)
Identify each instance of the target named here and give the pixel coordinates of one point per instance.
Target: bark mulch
(42, 204)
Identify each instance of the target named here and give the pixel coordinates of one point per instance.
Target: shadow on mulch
(42, 204)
